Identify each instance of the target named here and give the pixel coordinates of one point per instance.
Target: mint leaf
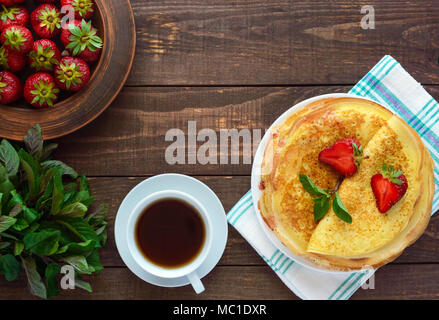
(31, 168)
(58, 192)
(66, 170)
(43, 243)
(74, 210)
(10, 267)
(81, 284)
(311, 187)
(18, 248)
(9, 157)
(321, 207)
(6, 222)
(36, 286)
(80, 264)
(340, 210)
(33, 141)
(52, 270)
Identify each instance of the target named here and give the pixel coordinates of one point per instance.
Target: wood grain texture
(205, 42)
(116, 22)
(258, 283)
(129, 139)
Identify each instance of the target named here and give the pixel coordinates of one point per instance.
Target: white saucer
(185, 184)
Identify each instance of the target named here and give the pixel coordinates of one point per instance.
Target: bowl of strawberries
(62, 62)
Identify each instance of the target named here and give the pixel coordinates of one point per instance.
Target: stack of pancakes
(373, 238)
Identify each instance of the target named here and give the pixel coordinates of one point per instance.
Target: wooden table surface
(240, 64)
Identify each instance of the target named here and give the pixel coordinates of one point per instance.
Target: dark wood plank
(204, 42)
(238, 251)
(129, 138)
(230, 282)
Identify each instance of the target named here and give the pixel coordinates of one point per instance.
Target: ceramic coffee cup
(188, 270)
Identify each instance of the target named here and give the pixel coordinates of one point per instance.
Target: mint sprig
(322, 201)
(340, 210)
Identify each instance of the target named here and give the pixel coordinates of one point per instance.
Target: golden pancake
(293, 149)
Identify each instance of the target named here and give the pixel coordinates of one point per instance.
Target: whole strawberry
(10, 87)
(17, 38)
(388, 187)
(81, 39)
(46, 21)
(13, 15)
(9, 3)
(344, 156)
(72, 74)
(44, 55)
(40, 90)
(84, 9)
(11, 60)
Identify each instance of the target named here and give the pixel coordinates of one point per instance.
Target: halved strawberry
(13, 15)
(44, 56)
(72, 74)
(46, 20)
(344, 156)
(84, 9)
(10, 87)
(11, 60)
(81, 39)
(40, 90)
(388, 187)
(17, 38)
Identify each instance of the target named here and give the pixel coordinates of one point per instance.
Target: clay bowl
(115, 22)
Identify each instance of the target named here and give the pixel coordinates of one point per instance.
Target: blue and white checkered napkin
(390, 85)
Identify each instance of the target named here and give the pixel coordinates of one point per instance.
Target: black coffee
(170, 233)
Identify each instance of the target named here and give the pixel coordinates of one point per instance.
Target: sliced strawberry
(344, 156)
(388, 187)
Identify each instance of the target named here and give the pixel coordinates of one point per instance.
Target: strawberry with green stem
(40, 90)
(388, 187)
(46, 21)
(44, 55)
(11, 60)
(9, 3)
(72, 74)
(81, 39)
(17, 38)
(13, 15)
(10, 87)
(83, 9)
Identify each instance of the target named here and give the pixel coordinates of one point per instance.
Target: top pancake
(294, 148)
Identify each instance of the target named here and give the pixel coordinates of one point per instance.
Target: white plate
(256, 179)
(185, 184)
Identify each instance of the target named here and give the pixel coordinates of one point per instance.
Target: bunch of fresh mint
(44, 218)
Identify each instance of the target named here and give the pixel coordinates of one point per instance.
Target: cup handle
(196, 282)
